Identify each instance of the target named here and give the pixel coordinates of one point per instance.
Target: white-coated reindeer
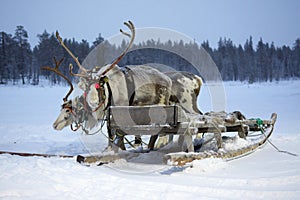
(142, 85)
(75, 111)
(110, 88)
(138, 85)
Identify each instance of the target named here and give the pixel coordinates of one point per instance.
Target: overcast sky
(272, 20)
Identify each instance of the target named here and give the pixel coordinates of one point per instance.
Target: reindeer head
(93, 82)
(98, 91)
(66, 116)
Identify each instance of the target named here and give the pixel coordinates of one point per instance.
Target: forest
(261, 62)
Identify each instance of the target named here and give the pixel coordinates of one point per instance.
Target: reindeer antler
(72, 55)
(73, 74)
(131, 27)
(56, 70)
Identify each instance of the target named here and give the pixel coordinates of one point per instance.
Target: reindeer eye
(67, 111)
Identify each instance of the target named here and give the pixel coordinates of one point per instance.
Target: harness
(128, 73)
(105, 81)
(79, 112)
(101, 93)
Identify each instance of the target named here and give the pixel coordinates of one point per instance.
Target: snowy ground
(26, 118)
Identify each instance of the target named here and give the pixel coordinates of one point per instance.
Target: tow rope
(260, 123)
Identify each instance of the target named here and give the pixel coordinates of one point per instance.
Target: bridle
(79, 113)
(70, 110)
(100, 87)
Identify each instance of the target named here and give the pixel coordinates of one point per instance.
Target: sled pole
(34, 154)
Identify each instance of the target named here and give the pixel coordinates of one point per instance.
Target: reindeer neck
(118, 86)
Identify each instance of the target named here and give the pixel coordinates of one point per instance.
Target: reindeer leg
(152, 141)
(110, 137)
(218, 137)
(171, 137)
(115, 140)
(137, 140)
(188, 140)
(119, 142)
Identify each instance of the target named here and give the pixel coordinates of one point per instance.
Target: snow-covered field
(27, 114)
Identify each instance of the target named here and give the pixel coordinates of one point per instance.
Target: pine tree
(23, 53)
(250, 61)
(261, 56)
(296, 58)
(98, 41)
(241, 63)
(3, 58)
(47, 48)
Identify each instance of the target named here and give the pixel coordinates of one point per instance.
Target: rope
(97, 131)
(260, 125)
(275, 147)
(128, 142)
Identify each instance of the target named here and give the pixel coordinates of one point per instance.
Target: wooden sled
(172, 120)
(250, 145)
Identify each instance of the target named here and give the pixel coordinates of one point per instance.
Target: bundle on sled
(245, 136)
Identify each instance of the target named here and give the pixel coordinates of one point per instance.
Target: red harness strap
(101, 93)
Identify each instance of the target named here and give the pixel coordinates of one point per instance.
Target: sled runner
(246, 134)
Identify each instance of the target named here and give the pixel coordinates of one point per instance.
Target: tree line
(260, 63)
(19, 63)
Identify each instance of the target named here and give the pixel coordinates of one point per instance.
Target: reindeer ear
(82, 84)
(67, 103)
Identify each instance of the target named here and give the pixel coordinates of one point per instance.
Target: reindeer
(73, 111)
(150, 87)
(138, 85)
(185, 90)
(108, 87)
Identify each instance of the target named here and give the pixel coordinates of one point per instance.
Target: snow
(27, 114)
